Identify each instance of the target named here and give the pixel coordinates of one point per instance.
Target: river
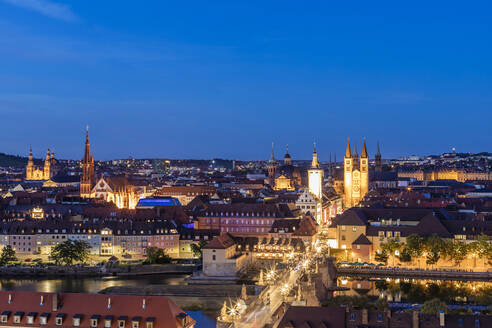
(94, 285)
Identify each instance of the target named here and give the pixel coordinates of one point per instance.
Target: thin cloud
(47, 8)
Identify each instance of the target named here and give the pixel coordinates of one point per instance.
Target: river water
(95, 284)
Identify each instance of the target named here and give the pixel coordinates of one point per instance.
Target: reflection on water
(95, 284)
(418, 290)
(87, 285)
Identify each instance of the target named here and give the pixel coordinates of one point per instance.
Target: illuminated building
(40, 173)
(315, 176)
(460, 175)
(356, 175)
(285, 176)
(117, 190)
(87, 180)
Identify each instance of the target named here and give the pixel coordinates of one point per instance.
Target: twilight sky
(204, 79)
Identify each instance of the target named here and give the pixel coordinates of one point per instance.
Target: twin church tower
(353, 187)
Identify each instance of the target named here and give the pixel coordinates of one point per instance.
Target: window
(121, 323)
(381, 235)
(17, 317)
(358, 246)
(352, 316)
(59, 319)
(354, 229)
(43, 320)
(380, 317)
(30, 318)
(343, 237)
(213, 257)
(76, 321)
(94, 322)
(344, 228)
(134, 324)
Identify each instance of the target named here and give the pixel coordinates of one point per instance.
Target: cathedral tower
(377, 160)
(356, 175)
(348, 167)
(87, 179)
(315, 176)
(364, 171)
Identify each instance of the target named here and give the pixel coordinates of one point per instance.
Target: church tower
(47, 165)
(315, 176)
(364, 171)
(272, 168)
(287, 158)
(87, 179)
(377, 160)
(348, 167)
(30, 166)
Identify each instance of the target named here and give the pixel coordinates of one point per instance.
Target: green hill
(15, 161)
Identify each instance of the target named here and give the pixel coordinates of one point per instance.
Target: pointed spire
(364, 150)
(30, 153)
(355, 151)
(315, 163)
(272, 157)
(348, 152)
(378, 152)
(87, 154)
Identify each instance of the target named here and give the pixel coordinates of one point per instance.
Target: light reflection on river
(86, 285)
(95, 284)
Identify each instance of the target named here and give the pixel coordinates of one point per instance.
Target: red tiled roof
(163, 311)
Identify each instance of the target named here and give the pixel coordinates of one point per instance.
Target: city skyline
(170, 80)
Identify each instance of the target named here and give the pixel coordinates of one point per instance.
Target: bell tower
(348, 167)
(377, 160)
(364, 171)
(47, 165)
(87, 179)
(315, 176)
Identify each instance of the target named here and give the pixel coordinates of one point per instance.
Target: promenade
(441, 274)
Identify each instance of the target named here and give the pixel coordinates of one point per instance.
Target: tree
(197, 249)
(459, 251)
(390, 247)
(482, 247)
(415, 245)
(433, 306)
(405, 255)
(8, 255)
(381, 256)
(70, 251)
(436, 248)
(156, 255)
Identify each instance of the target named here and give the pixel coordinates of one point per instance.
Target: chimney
(415, 319)
(441, 319)
(365, 317)
(54, 304)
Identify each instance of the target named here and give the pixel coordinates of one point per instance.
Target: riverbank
(96, 271)
(415, 273)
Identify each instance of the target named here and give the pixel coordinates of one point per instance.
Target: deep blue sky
(203, 79)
